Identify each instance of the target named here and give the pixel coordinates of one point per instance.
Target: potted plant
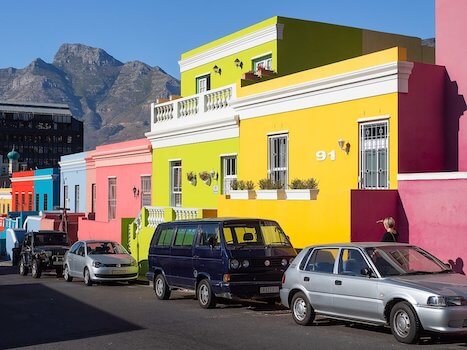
(206, 177)
(242, 189)
(191, 177)
(270, 189)
(302, 189)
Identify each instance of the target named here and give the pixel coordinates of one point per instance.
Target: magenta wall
(369, 206)
(421, 134)
(451, 51)
(437, 216)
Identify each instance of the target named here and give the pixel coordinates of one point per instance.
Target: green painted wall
(198, 157)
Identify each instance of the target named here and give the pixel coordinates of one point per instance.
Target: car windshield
(43, 239)
(404, 260)
(257, 233)
(99, 248)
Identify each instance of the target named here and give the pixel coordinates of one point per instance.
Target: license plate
(119, 272)
(269, 290)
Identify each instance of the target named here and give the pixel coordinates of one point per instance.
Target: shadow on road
(8, 270)
(50, 317)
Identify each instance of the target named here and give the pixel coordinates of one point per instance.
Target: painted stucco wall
(126, 162)
(49, 186)
(196, 157)
(5, 200)
(435, 210)
(451, 51)
(90, 179)
(26, 187)
(73, 173)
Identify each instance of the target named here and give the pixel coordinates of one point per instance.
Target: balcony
(203, 111)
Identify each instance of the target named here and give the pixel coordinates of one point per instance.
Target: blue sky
(157, 32)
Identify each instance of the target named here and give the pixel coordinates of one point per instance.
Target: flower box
(242, 194)
(270, 194)
(302, 195)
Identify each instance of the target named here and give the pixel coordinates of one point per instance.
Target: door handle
(306, 279)
(338, 283)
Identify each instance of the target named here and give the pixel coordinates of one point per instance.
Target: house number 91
(322, 155)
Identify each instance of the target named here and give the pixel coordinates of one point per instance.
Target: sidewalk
(6, 263)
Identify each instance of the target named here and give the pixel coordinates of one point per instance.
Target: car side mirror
(367, 272)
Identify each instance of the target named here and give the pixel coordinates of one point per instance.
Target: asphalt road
(50, 313)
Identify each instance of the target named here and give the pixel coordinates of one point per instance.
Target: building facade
(73, 182)
(40, 132)
(5, 201)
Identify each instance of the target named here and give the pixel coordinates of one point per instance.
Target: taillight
(283, 278)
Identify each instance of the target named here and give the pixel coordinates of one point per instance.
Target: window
(112, 198)
(185, 236)
(30, 201)
(351, 263)
(45, 202)
(278, 159)
(229, 172)
(16, 201)
(65, 196)
(93, 198)
(165, 238)
(176, 183)
(262, 62)
(209, 235)
(76, 199)
(203, 83)
(23, 201)
(322, 260)
(145, 191)
(37, 202)
(374, 141)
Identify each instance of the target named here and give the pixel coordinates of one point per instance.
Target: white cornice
(5, 196)
(34, 178)
(261, 36)
(74, 164)
(432, 176)
(368, 82)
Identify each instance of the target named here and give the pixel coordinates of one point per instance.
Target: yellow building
(5, 200)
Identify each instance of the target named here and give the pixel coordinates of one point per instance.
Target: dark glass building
(40, 132)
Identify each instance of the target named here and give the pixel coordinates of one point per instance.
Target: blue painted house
(73, 182)
(46, 189)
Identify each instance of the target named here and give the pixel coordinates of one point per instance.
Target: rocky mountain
(111, 97)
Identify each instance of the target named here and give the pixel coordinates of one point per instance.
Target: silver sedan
(99, 261)
(396, 285)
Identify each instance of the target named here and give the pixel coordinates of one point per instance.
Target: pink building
(118, 185)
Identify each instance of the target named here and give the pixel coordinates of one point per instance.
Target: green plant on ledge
(242, 185)
(306, 184)
(268, 184)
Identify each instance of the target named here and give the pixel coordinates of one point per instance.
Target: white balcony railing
(155, 216)
(185, 213)
(196, 105)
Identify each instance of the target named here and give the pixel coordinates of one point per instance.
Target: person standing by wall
(391, 234)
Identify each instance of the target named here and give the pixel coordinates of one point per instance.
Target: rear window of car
(165, 237)
(185, 236)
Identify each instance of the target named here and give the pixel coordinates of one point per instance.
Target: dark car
(220, 258)
(43, 251)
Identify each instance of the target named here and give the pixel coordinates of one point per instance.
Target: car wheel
(66, 274)
(161, 288)
(302, 311)
(87, 277)
(59, 271)
(405, 325)
(36, 269)
(206, 298)
(23, 269)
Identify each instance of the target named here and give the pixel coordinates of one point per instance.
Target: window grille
(278, 159)
(76, 198)
(229, 171)
(176, 183)
(112, 198)
(145, 191)
(374, 157)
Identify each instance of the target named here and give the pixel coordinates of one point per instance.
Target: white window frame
(145, 191)
(228, 178)
(205, 79)
(265, 62)
(272, 169)
(176, 189)
(112, 198)
(376, 144)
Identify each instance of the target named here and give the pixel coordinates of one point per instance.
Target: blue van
(219, 258)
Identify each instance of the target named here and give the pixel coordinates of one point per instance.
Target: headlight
(234, 264)
(96, 264)
(245, 263)
(438, 301)
(284, 262)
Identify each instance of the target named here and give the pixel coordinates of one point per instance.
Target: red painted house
(22, 190)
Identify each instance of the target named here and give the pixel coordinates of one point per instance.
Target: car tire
(87, 277)
(23, 269)
(59, 271)
(36, 269)
(205, 296)
(161, 287)
(302, 311)
(66, 274)
(404, 322)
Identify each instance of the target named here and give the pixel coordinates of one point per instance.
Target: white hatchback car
(99, 261)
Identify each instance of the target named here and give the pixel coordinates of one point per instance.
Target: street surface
(51, 314)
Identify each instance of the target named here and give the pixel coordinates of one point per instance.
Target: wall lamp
(217, 70)
(238, 63)
(135, 192)
(345, 146)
